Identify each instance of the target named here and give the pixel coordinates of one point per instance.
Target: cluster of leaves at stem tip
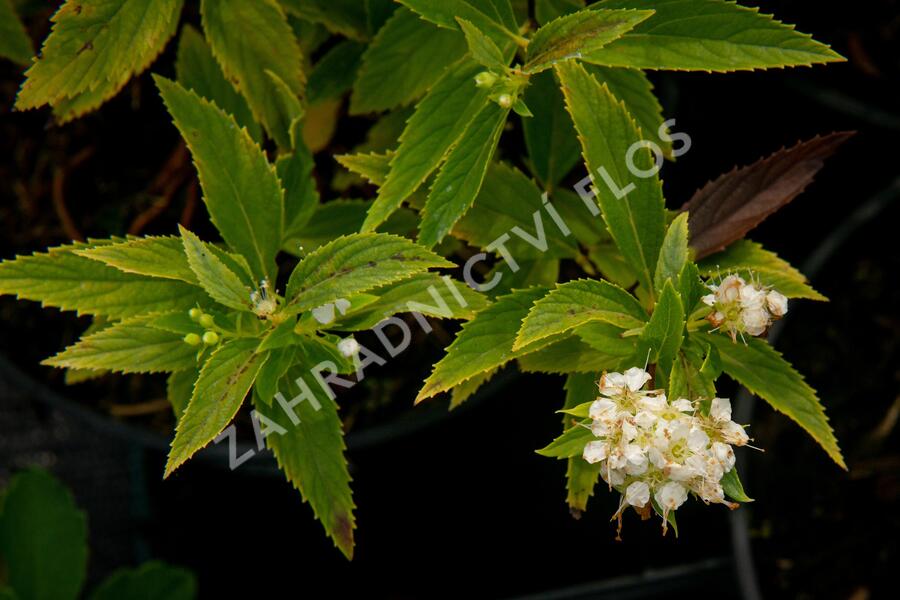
(259, 88)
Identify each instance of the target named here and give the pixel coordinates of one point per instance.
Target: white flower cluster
(648, 447)
(740, 307)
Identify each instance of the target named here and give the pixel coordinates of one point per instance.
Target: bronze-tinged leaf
(724, 210)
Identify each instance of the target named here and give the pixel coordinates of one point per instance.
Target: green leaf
(240, 188)
(581, 476)
(752, 261)
(636, 221)
(43, 538)
(481, 13)
(459, 180)
(663, 335)
(439, 121)
(569, 355)
(552, 144)
(248, 39)
(606, 339)
(280, 360)
(762, 370)
(61, 279)
(372, 166)
(482, 48)
(335, 72)
(342, 217)
(14, 41)
(674, 253)
(733, 488)
(467, 389)
(310, 452)
(179, 388)
(577, 34)
(570, 443)
(220, 390)
(428, 294)
(198, 70)
(221, 283)
(689, 377)
(578, 302)
(301, 198)
(690, 287)
(708, 35)
(632, 87)
(547, 10)
(346, 17)
(161, 257)
(484, 343)
(354, 264)
(403, 61)
(94, 48)
(151, 580)
(130, 346)
(510, 203)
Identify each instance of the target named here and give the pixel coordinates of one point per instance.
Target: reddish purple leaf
(724, 210)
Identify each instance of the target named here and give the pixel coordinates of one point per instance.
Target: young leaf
(664, 333)
(220, 282)
(248, 38)
(752, 261)
(459, 180)
(552, 144)
(725, 209)
(439, 121)
(14, 41)
(198, 70)
(578, 302)
(577, 34)
(761, 369)
(371, 165)
(61, 279)
(240, 187)
(130, 346)
(43, 538)
(161, 257)
(482, 48)
(403, 61)
(354, 264)
(673, 254)
(636, 221)
(632, 87)
(570, 443)
(310, 452)
(731, 485)
(94, 48)
(581, 476)
(708, 35)
(152, 579)
(484, 343)
(481, 13)
(220, 390)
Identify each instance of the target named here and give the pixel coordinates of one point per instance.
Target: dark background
(462, 506)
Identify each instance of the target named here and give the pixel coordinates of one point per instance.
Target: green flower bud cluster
(505, 89)
(205, 320)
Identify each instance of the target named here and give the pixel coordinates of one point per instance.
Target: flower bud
(195, 313)
(192, 339)
(777, 303)
(505, 100)
(485, 79)
(348, 347)
(207, 321)
(210, 338)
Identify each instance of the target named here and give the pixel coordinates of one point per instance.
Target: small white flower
(734, 434)
(629, 431)
(635, 378)
(637, 494)
(614, 477)
(594, 452)
(755, 320)
(777, 303)
(730, 289)
(752, 298)
(348, 347)
(709, 299)
(653, 404)
(683, 405)
(724, 454)
(637, 460)
(602, 408)
(671, 495)
(645, 419)
(677, 472)
(697, 439)
(720, 409)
